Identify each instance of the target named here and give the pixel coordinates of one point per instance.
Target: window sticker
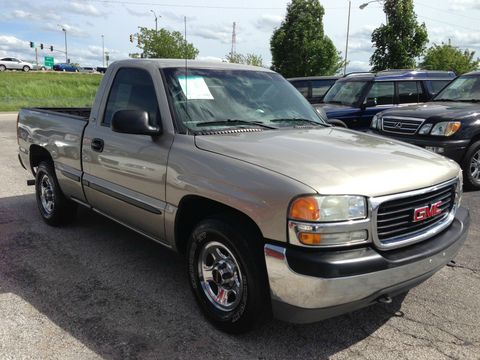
(195, 87)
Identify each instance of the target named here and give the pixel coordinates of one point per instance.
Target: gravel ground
(95, 290)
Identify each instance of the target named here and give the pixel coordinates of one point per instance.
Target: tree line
(300, 47)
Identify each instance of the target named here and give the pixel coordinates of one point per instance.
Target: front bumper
(453, 149)
(308, 286)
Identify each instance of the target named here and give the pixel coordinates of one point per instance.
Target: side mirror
(371, 102)
(133, 122)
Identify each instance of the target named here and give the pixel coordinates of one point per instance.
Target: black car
(314, 88)
(449, 125)
(357, 97)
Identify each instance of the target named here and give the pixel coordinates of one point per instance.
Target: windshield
(464, 88)
(237, 98)
(345, 92)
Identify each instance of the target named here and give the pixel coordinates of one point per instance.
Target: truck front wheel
(54, 207)
(471, 167)
(227, 274)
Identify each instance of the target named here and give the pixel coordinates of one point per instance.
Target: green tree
(165, 44)
(448, 57)
(401, 40)
(248, 59)
(300, 47)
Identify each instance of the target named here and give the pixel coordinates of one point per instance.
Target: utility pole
(36, 56)
(234, 41)
(103, 51)
(348, 34)
(107, 57)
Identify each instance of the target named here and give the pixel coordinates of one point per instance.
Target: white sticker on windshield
(195, 88)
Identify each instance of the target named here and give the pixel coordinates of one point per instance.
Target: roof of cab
(169, 63)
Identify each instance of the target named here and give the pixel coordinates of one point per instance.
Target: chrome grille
(395, 218)
(401, 125)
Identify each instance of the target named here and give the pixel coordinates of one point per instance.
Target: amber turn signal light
(309, 239)
(305, 208)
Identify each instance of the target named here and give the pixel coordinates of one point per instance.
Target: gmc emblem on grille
(427, 212)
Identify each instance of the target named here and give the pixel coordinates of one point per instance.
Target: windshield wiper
(233, 122)
(313, 122)
(470, 100)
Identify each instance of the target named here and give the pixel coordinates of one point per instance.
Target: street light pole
(66, 53)
(156, 20)
(348, 34)
(103, 51)
(363, 6)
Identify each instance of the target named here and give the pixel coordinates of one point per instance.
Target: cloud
(71, 29)
(361, 40)
(83, 8)
(32, 16)
(268, 22)
(460, 38)
(358, 65)
(219, 33)
(463, 5)
(138, 13)
(209, 58)
(15, 47)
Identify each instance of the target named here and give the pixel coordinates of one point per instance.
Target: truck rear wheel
(227, 274)
(54, 207)
(471, 167)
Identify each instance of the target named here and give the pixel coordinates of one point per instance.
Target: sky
(209, 26)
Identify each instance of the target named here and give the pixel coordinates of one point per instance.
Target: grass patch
(47, 89)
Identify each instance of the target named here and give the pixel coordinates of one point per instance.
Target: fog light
(436, 149)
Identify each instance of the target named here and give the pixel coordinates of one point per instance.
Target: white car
(14, 64)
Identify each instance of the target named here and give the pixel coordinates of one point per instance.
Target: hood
(336, 161)
(437, 110)
(334, 110)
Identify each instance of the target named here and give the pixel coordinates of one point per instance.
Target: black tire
(470, 163)
(252, 306)
(26, 68)
(337, 123)
(55, 208)
(3, 68)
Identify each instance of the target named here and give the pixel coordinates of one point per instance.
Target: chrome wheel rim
(46, 194)
(475, 166)
(220, 276)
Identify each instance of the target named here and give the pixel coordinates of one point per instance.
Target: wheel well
(192, 209)
(474, 139)
(37, 155)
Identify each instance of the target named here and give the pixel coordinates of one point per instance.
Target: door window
(301, 86)
(320, 87)
(409, 92)
(381, 93)
(132, 89)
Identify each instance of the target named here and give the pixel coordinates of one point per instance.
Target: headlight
(446, 128)
(425, 129)
(328, 208)
(376, 121)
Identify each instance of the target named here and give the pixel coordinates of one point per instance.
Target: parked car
(314, 88)
(66, 67)
(39, 67)
(274, 209)
(88, 69)
(14, 64)
(101, 69)
(449, 125)
(355, 98)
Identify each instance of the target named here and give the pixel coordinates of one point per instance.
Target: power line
(447, 23)
(121, 2)
(450, 12)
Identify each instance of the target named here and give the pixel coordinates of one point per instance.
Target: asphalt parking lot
(95, 290)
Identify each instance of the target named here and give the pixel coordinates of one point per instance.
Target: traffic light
(41, 46)
(131, 38)
(51, 47)
(32, 44)
(139, 39)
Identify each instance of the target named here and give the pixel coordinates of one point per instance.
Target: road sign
(48, 61)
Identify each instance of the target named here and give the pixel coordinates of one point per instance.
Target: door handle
(97, 145)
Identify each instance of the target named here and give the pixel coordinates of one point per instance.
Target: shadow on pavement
(124, 296)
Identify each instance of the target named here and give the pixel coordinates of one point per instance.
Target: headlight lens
(375, 124)
(425, 129)
(328, 208)
(446, 128)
